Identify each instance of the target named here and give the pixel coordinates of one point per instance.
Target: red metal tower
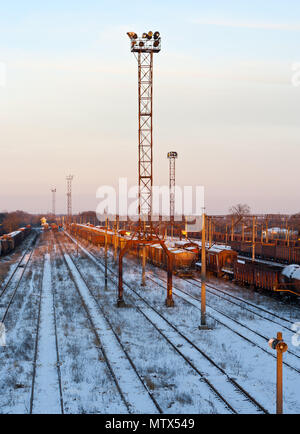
(69, 197)
(172, 156)
(53, 191)
(143, 48)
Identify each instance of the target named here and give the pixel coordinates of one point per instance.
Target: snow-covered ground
(243, 353)
(91, 357)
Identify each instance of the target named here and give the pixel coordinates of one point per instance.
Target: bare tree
(240, 210)
(11, 222)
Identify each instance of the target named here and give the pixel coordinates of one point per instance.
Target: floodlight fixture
(147, 43)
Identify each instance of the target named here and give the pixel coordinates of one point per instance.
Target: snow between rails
(130, 384)
(46, 384)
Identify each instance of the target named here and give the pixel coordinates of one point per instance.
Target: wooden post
(210, 234)
(267, 231)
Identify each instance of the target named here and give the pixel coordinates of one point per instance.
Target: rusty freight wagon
(258, 275)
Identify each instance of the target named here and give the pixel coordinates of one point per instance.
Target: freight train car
(182, 259)
(219, 258)
(271, 251)
(257, 275)
(290, 278)
(9, 242)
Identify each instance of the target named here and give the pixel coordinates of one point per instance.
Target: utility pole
(253, 238)
(172, 156)
(143, 48)
(69, 179)
(203, 274)
(210, 231)
(143, 283)
(105, 251)
(53, 191)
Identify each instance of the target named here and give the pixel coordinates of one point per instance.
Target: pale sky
(223, 99)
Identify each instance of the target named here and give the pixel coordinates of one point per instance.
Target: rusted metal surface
(257, 275)
(69, 180)
(281, 347)
(172, 156)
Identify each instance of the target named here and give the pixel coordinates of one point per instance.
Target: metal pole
(253, 239)
(203, 274)
(144, 260)
(115, 241)
(170, 301)
(186, 229)
(144, 266)
(281, 347)
(106, 253)
(279, 404)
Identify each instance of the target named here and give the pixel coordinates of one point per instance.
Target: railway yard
(162, 274)
(70, 349)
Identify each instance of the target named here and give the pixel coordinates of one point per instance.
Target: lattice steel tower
(143, 48)
(69, 179)
(53, 191)
(172, 157)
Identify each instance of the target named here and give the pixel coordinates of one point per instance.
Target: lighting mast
(143, 48)
(53, 191)
(172, 156)
(69, 179)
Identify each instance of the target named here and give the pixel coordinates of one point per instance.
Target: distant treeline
(10, 221)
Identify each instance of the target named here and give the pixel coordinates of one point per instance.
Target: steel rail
(231, 380)
(128, 405)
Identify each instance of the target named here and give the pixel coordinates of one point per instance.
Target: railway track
(257, 339)
(246, 305)
(242, 327)
(237, 399)
(135, 393)
(46, 389)
(10, 288)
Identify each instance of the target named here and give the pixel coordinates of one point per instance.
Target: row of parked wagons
(221, 260)
(270, 251)
(9, 242)
(182, 259)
